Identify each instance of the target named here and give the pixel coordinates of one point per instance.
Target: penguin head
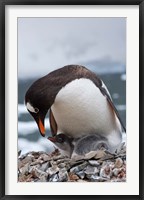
(63, 142)
(38, 100)
(38, 114)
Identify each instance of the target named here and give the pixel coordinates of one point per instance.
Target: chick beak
(52, 139)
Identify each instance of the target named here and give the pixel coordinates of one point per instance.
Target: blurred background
(45, 44)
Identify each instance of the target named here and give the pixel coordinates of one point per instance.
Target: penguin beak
(52, 139)
(41, 126)
(39, 118)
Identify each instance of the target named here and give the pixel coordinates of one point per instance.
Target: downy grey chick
(79, 146)
(64, 143)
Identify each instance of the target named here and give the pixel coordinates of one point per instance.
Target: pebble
(42, 178)
(90, 155)
(118, 163)
(38, 173)
(58, 157)
(25, 169)
(54, 178)
(94, 163)
(24, 161)
(106, 172)
(96, 178)
(52, 170)
(45, 157)
(81, 174)
(116, 171)
(53, 163)
(78, 168)
(44, 166)
(61, 165)
(62, 160)
(100, 154)
(95, 166)
(91, 170)
(63, 175)
(73, 177)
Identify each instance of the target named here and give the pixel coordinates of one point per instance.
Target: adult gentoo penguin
(79, 104)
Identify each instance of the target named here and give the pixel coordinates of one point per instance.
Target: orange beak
(41, 127)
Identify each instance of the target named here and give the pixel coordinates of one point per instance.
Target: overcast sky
(45, 44)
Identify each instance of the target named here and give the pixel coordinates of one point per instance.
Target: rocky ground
(96, 166)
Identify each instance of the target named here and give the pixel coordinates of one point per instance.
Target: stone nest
(96, 166)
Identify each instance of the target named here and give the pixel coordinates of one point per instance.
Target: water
(29, 137)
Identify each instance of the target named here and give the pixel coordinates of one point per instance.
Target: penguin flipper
(53, 124)
(105, 93)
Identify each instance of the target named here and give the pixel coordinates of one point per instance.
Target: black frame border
(3, 3)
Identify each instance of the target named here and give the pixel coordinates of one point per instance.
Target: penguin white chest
(80, 108)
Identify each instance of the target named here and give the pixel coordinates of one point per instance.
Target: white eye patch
(31, 108)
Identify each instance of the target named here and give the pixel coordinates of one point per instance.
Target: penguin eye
(31, 108)
(60, 140)
(36, 110)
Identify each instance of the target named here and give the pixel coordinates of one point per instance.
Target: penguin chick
(89, 143)
(64, 143)
(80, 146)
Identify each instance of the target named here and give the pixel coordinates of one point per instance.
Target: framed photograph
(72, 74)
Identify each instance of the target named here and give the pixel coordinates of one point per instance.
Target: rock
(73, 177)
(53, 163)
(23, 156)
(79, 167)
(118, 163)
(44, 166)
(63, 175)
(36, 155)
(76, 157)
(33, 168)
(100, 154)
(55, 153)
(54, 178)
(45, 157)
(38, 161)
(106, 172)
(25, 169)
(52, 170)
(90, 170)
(42, 178)
(122, 173)
(94, 163)
(24, 161)
(76, 162)
(95, 166)
(37, 173)
(74, 169)
(59, 157)
(87, 156)
(116, 171)
(96, 178)
(25, 178)
(64, 160)
(90, 155)
(61, 165)
(80, 174)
